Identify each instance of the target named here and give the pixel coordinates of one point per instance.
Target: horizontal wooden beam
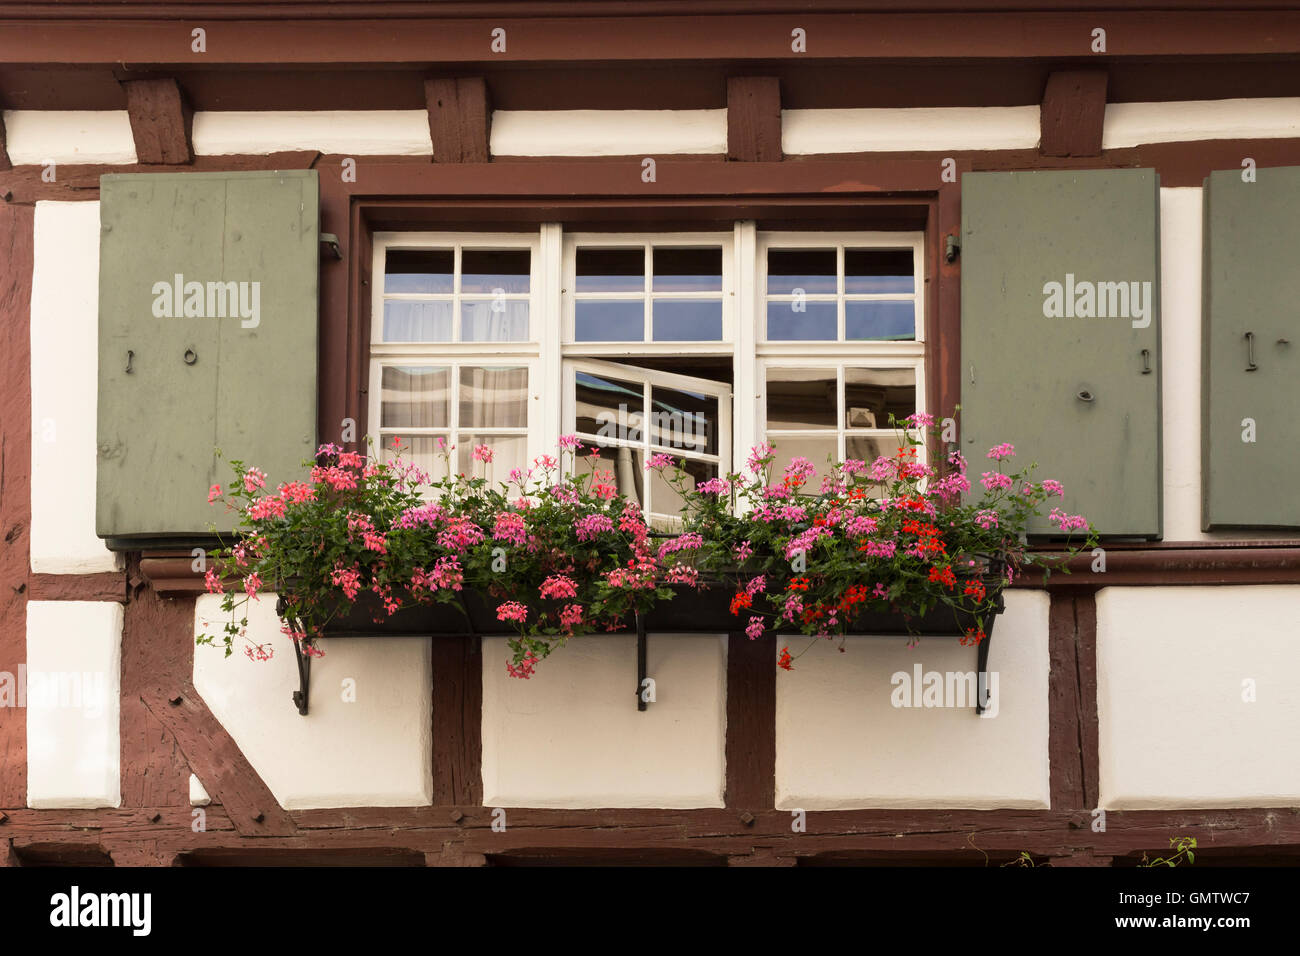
(164, 40)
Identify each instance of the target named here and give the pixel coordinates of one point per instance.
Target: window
(454, 353)
(645, 344)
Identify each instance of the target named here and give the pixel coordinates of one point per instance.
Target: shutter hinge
(332, 242)
(952, 246)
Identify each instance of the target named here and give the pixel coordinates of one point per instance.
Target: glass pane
(508, 452)
(610, 270)
(878, 319)
(878, 270)
(622, 465)
(816, 450)
(406, 321)
(419, 270)
(609, 408)
(621, 321)
(871, 394)
(494, 320)
(811, 270)
(664, 499)
(426, 452)
(801, 398)
(687, 320)
(487, 270)
(493, 397)
(686, 420)
(414, 397)
(802, 320)
(688, 270)
(868, 448)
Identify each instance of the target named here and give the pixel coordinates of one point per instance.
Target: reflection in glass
(880, 319)
(869, 447)
(419, 270)
(616, 321)
(493, 397)
(878, 271)
(621, 464)
(811, 270)
(417, 321)
(801, 398)
(610, 270)
(685, 420)
(688, 270)
(687, 320)
(487, 270)
(609, 408)
(872, 394)
(414, 397)
(664, 499)
(799, 320)
(494, 320)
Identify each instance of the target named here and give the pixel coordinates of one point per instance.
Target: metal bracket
(951, 248)
(640, 660)
(332, 242)
(300, 696)
(982, 673)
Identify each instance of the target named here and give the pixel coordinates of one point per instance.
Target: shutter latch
(332, 241)
(952, 246)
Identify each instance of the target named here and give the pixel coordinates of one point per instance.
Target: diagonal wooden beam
(754, 119)
(217, 760)
(460, 119)
(1072, 114)
(161, 121)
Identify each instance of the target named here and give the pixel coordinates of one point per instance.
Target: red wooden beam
(754, 119)
(460, 119)
(1072, 114)
(161, 121)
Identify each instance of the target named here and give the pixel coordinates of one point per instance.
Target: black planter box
(690, 611)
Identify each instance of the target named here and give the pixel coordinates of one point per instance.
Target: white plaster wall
(36, 137)
(607, 132)
(353, 132)
(198, 793)
(65, 360)
(371, 752)
(842, 744)
(1180, 368)
(571, 736)
(1174, 730)
(885, 130)
(73, 690)
(1131, 124)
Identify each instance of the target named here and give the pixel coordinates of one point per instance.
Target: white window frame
(551, 347)
(649, 241)
(839, 241)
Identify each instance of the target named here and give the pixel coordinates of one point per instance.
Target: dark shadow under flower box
(691, 611)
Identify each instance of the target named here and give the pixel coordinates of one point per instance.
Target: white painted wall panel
(571, 736)
(74, 652)
(608, 132)
(1174, 729)
(1131, 124)
(65, 362)
(351, 132)
(842, 744)
(886, 130)
(36, 137)
(371, 752)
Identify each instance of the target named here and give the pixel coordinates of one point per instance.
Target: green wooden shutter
(174, 387)
(1251, 286)
(1074, 393)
